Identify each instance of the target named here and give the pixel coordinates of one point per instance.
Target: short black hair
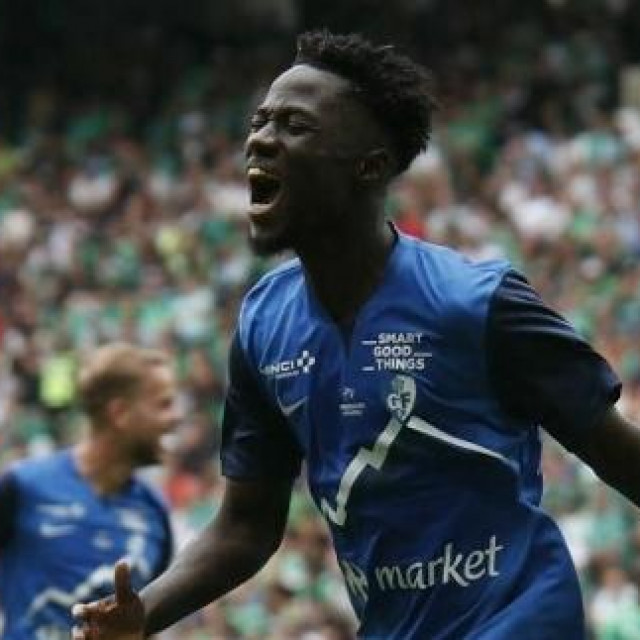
(398, 91)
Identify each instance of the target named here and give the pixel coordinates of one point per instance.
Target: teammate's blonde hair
(115, 370)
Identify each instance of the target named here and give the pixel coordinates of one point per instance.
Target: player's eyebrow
(275, 111)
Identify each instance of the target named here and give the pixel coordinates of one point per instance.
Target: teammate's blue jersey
(419, 428)
(59, 542)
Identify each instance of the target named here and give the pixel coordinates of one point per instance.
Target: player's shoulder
(450, 264)
(148, 492)
(43, 469)
(273, 293)
(276, 281)
(455, 287)
(449, 272)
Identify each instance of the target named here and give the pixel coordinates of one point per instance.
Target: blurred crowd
(122, 221)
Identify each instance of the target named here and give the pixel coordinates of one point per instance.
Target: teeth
(255, 172)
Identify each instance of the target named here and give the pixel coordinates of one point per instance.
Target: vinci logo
(288, 368)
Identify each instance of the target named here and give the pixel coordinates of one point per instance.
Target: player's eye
(257, 122)
(298, 126)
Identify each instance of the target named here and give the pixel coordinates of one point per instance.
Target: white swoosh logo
(73, 510)
(290, 409)
(55, 530)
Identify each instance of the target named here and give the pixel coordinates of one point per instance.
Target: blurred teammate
(410, 380)
(67, 518)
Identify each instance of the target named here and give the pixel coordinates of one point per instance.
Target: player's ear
(375, 166)
(116, 411)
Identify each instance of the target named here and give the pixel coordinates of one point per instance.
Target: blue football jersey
(59, 542)
(430, 483)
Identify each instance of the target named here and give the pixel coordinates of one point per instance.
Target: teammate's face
(305, 142)
(152, 413)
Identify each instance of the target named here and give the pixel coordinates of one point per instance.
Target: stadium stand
(121, 200)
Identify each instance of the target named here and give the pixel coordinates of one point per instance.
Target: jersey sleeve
(542, 370)
(256, 440)
(8, 506)
(158, 502)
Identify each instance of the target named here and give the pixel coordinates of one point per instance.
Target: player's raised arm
(245, 533)
(545, 371)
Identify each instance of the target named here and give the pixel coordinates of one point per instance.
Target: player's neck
(345, 270)
(102, 466)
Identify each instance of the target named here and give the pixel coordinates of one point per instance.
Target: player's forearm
(621, 470)
(218, 560)
(613, 452)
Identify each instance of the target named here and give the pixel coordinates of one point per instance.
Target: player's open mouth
(264, 189)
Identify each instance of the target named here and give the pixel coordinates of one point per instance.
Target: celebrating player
(411, 381)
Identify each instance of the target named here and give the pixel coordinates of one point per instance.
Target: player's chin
(268, 241)
(150, 459)
(150, 454)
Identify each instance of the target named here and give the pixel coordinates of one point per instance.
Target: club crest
(402, 398)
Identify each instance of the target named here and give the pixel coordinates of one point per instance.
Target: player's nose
(262, 142)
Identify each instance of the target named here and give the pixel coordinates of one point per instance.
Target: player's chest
(324, 379)
(63, 524)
